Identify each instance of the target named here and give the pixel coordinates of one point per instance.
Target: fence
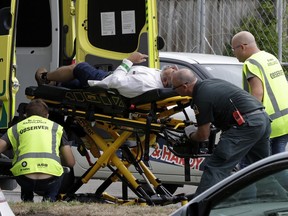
(207, 26)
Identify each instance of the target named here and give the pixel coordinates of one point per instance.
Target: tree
(263, 26)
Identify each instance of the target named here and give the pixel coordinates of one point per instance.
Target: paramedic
(129, 80)
(38, 144)
(215, 101)
(264, 78)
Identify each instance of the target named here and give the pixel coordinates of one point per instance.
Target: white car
(163, 163)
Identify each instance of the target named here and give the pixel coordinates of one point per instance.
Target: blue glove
(189, 130)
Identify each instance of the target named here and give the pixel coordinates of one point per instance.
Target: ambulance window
(5, 3)
(5, 18)
(116, 27)
(34, 24)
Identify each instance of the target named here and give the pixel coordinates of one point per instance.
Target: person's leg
(27, 186)
(261, 149)
(234, 144)
(278, 144)
(54, 187)
(61, 74)
(230, 149)
(73, 84)
(48, 188)
(84, 72)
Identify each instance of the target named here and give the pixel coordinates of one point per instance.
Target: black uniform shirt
(211, 102)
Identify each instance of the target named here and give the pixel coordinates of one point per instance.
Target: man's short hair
(37, 107)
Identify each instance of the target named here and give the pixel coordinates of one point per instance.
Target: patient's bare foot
(41, 78)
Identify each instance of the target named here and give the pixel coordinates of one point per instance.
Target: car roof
(200, 58)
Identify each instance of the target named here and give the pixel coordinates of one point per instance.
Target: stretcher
(132, 126)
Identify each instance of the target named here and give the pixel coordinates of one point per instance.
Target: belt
(235, 125)
(258, 111)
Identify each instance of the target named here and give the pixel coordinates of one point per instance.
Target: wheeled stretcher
(131, 126)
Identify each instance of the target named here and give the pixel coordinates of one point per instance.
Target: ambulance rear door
(109, 31)
(8, 83)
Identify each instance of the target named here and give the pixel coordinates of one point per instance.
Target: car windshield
(231, 73)
(266, 195)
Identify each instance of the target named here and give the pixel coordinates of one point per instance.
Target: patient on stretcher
(129, 80)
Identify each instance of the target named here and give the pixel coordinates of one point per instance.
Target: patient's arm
(137, 57)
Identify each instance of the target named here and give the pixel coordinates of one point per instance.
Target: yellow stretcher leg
(109, 157)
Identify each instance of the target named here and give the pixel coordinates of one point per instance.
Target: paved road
(115, 189)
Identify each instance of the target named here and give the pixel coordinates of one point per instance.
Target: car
(259, 189)
(163, 163)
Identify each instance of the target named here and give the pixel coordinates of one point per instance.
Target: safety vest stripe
(16, 136)
(278, 113)
(245, 86)
(54, 132)
(39, 155)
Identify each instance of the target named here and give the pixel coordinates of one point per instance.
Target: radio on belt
(237, 115)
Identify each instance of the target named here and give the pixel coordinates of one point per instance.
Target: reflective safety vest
(36, 141)
(268, 69)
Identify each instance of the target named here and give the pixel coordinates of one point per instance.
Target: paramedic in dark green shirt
(217, 101)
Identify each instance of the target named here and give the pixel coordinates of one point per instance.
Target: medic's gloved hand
(189, 130)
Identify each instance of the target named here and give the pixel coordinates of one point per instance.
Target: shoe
(41, 77)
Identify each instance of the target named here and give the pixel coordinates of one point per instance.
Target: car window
(179, 65)
(231, 73)
(267, 196)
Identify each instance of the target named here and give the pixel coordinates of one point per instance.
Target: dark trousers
(82, 73)
(250, 140)
(48, 188)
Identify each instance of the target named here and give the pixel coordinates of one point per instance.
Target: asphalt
(115, 189)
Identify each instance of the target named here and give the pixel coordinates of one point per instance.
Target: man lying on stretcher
(129, 80)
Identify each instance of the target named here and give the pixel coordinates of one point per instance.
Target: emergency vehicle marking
(164, 154)
(4, 88)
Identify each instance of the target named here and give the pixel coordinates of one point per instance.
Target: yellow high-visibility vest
(268, 69)
(36, 141)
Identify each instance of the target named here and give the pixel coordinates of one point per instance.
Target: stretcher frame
(139, 119)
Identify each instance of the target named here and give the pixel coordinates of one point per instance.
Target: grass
(88, 209)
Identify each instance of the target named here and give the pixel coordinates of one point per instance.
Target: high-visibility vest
(36, 141)
(268, 69)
